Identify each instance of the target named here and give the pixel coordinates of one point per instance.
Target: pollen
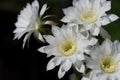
(68, 48)
(89, 17)
(108, 65)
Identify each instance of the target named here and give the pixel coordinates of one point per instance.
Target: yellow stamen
(68, 48)
(89, 17)
(108, 65)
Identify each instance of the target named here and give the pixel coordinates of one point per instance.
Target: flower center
(68, 48)
(89, 17)
(108, 65)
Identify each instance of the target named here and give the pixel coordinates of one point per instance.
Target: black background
(29, 64)
(17, 63)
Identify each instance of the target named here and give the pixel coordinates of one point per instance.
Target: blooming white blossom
(104, 60)
(30, 21)
(67, 46)
(91, 14)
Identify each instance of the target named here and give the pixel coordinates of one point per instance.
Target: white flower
(91, 14)
(67, 46)
(105, 60)
(30, 22)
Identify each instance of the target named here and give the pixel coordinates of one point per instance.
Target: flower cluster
(74, 44)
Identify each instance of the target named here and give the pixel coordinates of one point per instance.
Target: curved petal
(79, 66)
(105, 7)
(105, 21)
(43, 9)
(95, 31)
(50, 39)
(56, 31)
(38, 36)
(35, 4)
(54, 62)
(113, 17)
(61, 72)
(50, 64)
(27, 36)
(93, 41)
(104, 33)
(106, 46)
(64, 68)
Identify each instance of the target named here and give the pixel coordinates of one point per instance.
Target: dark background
(17, 63)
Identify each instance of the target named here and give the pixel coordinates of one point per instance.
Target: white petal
(19, 35)
(90, 76)
(93, 76)
(68, 32)
(107, 5)
(73, 59)
(46, 49)
(42, 49)
(55, 31)
(102, 1)
(58, 60)
(117, 57)
(80, 56)
(43, 9)
(81, 4)
(93, 41)
(38, 36)
(18, 30)
(23, 22)
(54, 62)
(71, 15)
(84, 78)
(35, 4)
(90, 63)
(27, 36)
(106, 46)
(96, 31)
(75, 3)
(96, 4)
(50, 64)
(79, 67)
(64, 68)
(103, 77)
(69, 11)
(116, 45)
(67, 65)
(104, 33)
(48, 22)
(87, 27)
(113, 17)
(61, 73)
(50, 39)
(65, 19)
(86, 34)
(105, 21)
(19, 25)
(47, 16)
